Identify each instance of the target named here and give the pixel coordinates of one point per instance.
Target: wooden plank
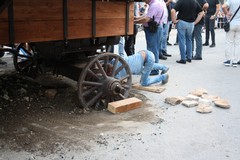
(42, 20)
(124, 105)
(153, 88)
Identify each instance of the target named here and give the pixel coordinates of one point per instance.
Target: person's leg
(212, 30)
(207, 21)
(164, 41)
(169, 31)
(130, 42)
(181, 29)
(229, 47)
(198, 37)
(146, 80)
(153, 41)
(120, 47)
(189, 31)
(236, 53)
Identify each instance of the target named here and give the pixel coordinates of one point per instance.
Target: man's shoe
(169, 44)
(168, 55)
(181, 61)
(165, 71)
(196, 58)
(162, 57)
(238, 62)
(166, 79)
(212, 45)
(227, 63)
(234, 64)
(154, 73)
(189, 60)
(175, 44)
(205, 44)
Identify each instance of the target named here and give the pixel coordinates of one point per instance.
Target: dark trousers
(209, 24)
(130, 41)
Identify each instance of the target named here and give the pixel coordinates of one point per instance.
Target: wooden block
(153, 88)
(124, 105)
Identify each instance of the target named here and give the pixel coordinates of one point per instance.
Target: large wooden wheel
(100, 83)
(26, 61)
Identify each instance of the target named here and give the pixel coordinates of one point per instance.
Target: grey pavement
(190, 135)
(158, 131)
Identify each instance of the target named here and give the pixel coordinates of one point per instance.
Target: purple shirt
(155, 9)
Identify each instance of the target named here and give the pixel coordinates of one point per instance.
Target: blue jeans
(153, 40)
(185, 30)
(120, 47)
(163, 47)
(197, 35)
(149, 65)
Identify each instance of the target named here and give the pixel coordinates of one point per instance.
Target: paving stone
(192, 97)
(50, 93)
(222, 103)
(210, 97)
(199, 92)
(189, 103)
(173, 100)
(204, 106)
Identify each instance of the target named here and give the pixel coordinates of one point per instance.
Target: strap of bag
(235, 13)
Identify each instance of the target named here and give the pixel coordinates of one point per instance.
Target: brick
(124, 105)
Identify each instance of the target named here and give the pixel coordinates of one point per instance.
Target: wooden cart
(69, 37)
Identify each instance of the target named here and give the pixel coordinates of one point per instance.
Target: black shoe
(181, 61)
(189, 60)
(165, 71)
(205, 44)
(166, 79)
(196, 58)
(175, 44)
(169, 44)
(238, 62)
(212, 45)
(154, 72)
(162, 57)
(168, 55)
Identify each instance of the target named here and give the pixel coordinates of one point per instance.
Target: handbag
(226, 25)
(153, 25)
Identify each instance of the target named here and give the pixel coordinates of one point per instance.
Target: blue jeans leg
(163, 48)
(197, 34)
(185, 30)
(146, 80)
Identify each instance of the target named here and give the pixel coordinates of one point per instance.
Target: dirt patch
(31, 122)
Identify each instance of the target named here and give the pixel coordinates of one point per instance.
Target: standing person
(166, 15)
(197, 32)
(170, 5)
(212, 13)
(163, 43)
(232, 53)
(185, 20)
(143, 63)
(153, 39)
(130, 40)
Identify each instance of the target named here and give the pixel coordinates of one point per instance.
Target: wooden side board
(42, 20)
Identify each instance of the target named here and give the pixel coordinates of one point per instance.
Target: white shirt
(165, 14)
(233, 6)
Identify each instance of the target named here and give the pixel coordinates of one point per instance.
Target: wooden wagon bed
(48, 20)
